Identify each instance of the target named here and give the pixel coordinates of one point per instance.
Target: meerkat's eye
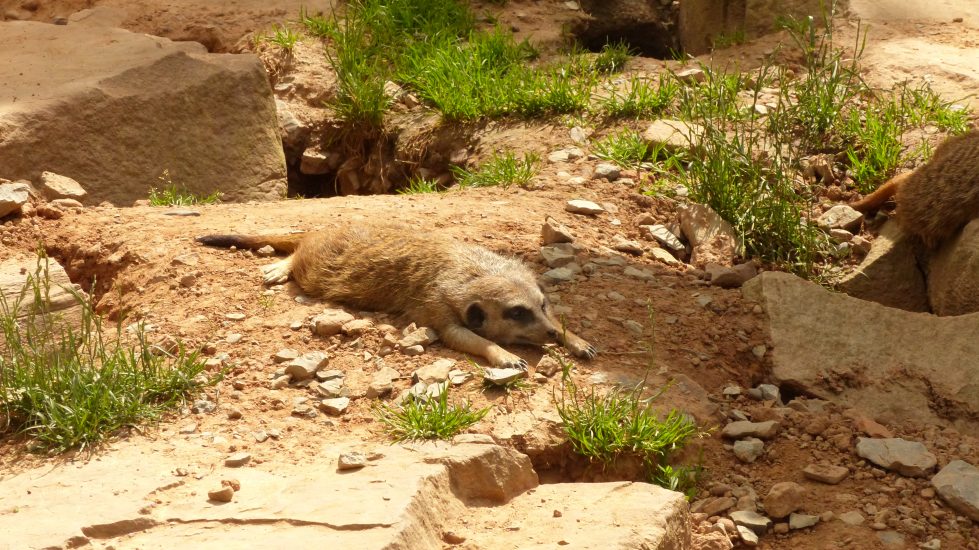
(518, 313)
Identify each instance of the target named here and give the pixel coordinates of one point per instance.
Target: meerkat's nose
(552, 333)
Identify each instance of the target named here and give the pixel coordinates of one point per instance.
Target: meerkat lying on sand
(472, 297)
(939, 198)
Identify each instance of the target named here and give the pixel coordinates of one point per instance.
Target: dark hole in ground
(648, 28)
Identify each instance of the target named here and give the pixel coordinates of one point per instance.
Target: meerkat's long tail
(284, 244)
(881, 195)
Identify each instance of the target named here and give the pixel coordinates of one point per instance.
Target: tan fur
(935, 201)
(462, 291)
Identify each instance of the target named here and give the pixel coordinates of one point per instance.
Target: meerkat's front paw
(505, 360)
(276, 273)
(580, 348)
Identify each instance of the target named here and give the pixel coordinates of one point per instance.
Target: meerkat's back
(940, 197)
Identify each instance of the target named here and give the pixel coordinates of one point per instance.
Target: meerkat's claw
(588, 353)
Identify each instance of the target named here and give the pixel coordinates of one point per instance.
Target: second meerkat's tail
(883, 193)
(284, 244)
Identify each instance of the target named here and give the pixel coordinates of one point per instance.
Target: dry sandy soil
(141, 254)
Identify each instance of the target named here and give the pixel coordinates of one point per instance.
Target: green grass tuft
(178, 195)
(429, 419)
(641, 100)
(612, 58)
(418, 185)
(606, 427)
(283, 37)
(500, 170)
(627, 148)
(68, 386)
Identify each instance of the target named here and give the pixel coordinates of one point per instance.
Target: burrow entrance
(666, 29)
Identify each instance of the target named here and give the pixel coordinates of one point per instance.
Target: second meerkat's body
(937, 199)
(472, 297)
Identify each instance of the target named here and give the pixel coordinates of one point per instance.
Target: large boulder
(889, 275)
(895, 365)
(953, 274)
(112, 110)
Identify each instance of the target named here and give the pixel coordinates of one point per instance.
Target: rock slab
(886, 368)
(139, 104)
(909, 458)
(958, 485)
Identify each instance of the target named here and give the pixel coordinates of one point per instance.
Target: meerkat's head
(509, 310)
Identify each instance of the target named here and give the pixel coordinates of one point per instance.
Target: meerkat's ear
(475, 316)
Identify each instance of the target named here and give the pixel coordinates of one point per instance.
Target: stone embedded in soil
(203, 406)
(235, 316)
(331, 388)
(743, 429)
(459, 377)
(909, 458)
(351, 460)
(304, 411)
(305, 366)
(748, 537)
(236, 460)
(224, 494)
(560, 275)
(770, 392)
(825, 473)
(412, 351)
(335, 406)
(280, 382)
(892, 539)
(752, 520)
(606, 171)
(868, 426)
(547, 366)
(840, 216)
(330, 322)
(265, 252)
(662, 235)
(502, 377)
(580, 206)
(731, 277)
(381, 382)
(622, 244)
(641, 274)
(13, 196)
(634, 327)
(558, 254)
(711, 237)
(422, 336)
(749, 449)
(565, 155)
(673, 135)
(718, 505)
(286, 354)
(801, 521)
(784, 498)
(356, 327)
(553, 232)
(436, 390)
(664, 256)
(852, 517)
(54, 186)
(958, 485)
(436, 372)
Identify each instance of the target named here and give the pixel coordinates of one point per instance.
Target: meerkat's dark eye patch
(475, 317)
(519, 314)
